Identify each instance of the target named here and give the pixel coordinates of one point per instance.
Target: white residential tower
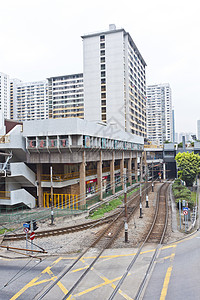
(159, 113)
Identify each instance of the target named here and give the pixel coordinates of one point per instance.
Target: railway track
(155, 234)
(69, 229)
(63, 230)
(102, 242)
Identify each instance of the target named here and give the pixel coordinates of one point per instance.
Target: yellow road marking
(34, 282)
(167, 278)
(31, 283)
(122, 293)
(44, 281)
(48, 269)
(106, 281)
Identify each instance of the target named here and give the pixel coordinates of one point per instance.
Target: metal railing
(4, 139)
(60, 177)
(4, 195)
(62, 201)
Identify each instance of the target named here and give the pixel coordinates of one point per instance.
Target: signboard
(91, 181)
(32, 235)
(26, 225)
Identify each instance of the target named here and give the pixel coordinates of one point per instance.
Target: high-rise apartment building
(159, 113)
(30, 101)
(13, 98)
(5, 95)
(198, 129)
(173, 126)
(65, 96)
(114, 80)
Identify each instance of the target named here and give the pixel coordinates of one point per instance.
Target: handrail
(4, 139)
(4, 195)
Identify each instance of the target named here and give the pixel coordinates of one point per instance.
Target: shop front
(91, 187)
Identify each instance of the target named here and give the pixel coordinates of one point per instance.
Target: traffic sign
(185, 212)
(26, 225)
(32, 235)
(26, 229)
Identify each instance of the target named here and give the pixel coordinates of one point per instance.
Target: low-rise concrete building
(86, 159)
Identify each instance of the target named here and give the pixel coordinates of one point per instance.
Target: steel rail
(138, 253)
(66, 230)
(106, 245)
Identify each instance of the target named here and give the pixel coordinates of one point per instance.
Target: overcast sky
(42, 38)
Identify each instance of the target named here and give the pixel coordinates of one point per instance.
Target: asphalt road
(175, 274)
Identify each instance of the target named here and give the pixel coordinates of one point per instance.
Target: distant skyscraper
(173, 126)
(65, 96)
(198, 129)
(159, 113)
(187, 135)
(30, 101)
(114, 80)
(13, 98)
(5, 95)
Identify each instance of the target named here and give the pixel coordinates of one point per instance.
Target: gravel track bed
(76, 242)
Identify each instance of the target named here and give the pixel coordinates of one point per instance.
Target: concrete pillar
(164, 171)
(112, 173)
(136, 167)
(130, 169)
(82, 191)
(39, 187)
(99, 176)
(122, 170)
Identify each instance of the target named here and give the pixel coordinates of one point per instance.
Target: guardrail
(4, 195)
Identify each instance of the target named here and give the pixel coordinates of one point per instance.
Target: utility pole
(31, 225)
(152, 176)
(146, 181)
(51, 174)
(125, 209)
(140, 188)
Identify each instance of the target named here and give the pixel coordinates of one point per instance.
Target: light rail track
(155, 234)
(102, 242)
(66, 230)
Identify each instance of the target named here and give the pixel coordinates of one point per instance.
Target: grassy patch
(133, 191)
(107, 207)
(193, 198)
(2, 231)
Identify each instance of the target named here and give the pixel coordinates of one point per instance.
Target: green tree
(189, 166)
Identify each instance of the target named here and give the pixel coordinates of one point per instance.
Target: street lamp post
(51, 174)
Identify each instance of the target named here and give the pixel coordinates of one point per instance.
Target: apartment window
(102, 52)
(103, 110)
(103, 81)
(103, 95)
(103, 67)
(103, 59)
(103, 102)
(102, 46)
(103, 74)
(103, 117)
(102, 38)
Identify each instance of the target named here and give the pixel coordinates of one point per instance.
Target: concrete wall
(19, 196)
(20, 169)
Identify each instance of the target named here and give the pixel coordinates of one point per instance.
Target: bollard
(147, 201)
